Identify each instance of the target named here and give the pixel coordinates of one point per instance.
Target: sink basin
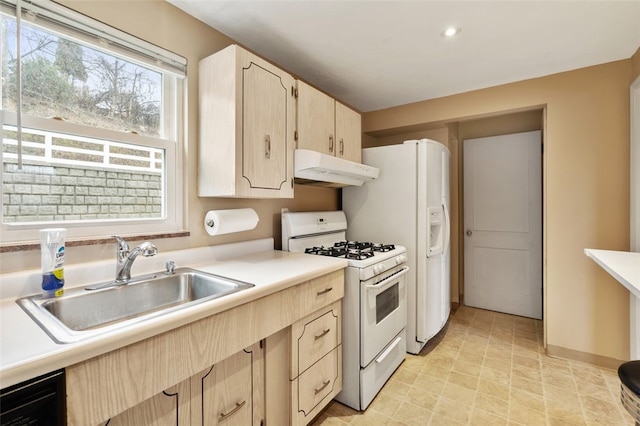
(82, 313)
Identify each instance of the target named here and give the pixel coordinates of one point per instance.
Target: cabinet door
(168, 408)
(265, 121)
(348, 133)
(315, 120)
(231, 392)
(247, 125)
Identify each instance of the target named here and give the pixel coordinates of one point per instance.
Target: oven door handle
(387, 282)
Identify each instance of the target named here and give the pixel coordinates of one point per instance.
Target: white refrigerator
(408, 204)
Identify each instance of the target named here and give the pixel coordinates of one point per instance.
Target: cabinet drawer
(315, 336)
(316, 387)
(320, 292)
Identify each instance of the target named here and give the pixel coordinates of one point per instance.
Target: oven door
(383, 306)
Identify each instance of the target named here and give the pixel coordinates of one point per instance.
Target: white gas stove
(374, 305)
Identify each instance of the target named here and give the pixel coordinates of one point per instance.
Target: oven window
(387, 302)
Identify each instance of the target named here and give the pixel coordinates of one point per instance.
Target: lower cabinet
(316, 362)
(289, 370)
(229, 393)
(168, 408)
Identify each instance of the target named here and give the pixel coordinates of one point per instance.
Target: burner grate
(356, 250)
(327, 251)
(383, 247)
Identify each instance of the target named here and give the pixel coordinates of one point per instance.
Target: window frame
(173, 118)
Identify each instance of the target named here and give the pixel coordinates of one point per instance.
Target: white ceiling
(379, 54)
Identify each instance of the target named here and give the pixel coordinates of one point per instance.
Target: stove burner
(383, 247)
(351, 249)
(360, 254)
(327, 251)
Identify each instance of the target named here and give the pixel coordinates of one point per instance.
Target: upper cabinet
(325, 125)
(247, 125)
(349, 133)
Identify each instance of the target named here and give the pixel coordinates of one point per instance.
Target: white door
(503, 223)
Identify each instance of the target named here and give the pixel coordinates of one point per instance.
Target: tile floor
(490, 369)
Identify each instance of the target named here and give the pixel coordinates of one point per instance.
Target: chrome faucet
(125, 258)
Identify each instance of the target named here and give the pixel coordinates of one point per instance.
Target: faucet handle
(170, 266)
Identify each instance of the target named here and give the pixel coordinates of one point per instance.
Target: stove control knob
(378, 269)
(401, 259)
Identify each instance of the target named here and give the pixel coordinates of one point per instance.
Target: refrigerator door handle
(447, 230)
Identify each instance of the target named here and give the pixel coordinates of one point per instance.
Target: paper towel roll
(218, 222)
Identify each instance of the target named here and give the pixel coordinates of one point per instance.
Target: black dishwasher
(38, 402)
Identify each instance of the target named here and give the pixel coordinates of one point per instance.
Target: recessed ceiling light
(451, 32)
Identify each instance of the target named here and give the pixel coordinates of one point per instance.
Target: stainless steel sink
(82, 313)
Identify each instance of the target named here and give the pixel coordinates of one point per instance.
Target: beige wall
(162, 24)
(586, 191)
(440, 134)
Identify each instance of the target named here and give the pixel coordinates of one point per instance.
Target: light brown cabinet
(230, 392)
(327, 126)
(247, 123)
(136, 384)
(316, 362)
(168, 408)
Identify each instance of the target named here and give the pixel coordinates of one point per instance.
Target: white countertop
(26, 351)
(624, 266)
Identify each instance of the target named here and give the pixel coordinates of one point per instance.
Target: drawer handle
(322, 334)
(224, 416)
(386, 353)
(326, 290)
(321, 388)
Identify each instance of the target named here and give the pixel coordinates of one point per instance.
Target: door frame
(635, 166)
(542, 108)
(634, 206)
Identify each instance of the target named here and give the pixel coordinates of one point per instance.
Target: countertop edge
(619, 265)
(54, 356)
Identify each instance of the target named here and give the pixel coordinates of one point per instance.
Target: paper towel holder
(218, 222)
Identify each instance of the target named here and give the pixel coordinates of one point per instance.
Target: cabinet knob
(341, 146)
(331, 143)
(469, 232)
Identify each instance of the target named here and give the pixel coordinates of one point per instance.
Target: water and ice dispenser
(435, 241)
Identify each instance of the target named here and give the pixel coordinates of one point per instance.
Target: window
(92, 125)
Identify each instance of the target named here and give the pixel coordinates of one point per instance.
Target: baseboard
(584, 357)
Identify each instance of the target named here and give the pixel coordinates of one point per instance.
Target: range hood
(315, 168)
